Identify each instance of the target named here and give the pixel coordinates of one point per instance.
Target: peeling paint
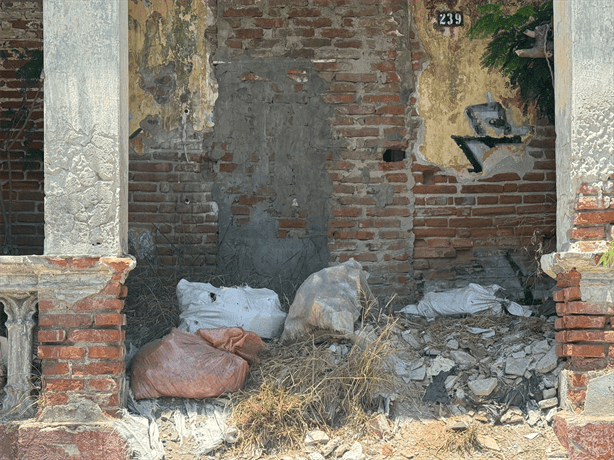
(167, 39)
(454, 81)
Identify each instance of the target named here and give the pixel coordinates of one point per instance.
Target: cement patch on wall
(274, 206)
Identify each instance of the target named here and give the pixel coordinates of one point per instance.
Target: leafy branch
(516, 31)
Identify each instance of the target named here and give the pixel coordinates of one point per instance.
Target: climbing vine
(513, 31)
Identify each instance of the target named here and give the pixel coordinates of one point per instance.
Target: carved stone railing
(20, 308)
(24, 280)
(18, 294)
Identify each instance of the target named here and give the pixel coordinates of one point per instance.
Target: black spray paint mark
(472, 147)
(481, 117)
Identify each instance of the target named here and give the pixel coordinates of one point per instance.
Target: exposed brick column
(584, 114)
(82, 342)
(585, 338)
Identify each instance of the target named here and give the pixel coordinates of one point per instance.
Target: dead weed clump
(305, 385)
(462, 443)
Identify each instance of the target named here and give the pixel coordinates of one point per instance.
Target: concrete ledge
(54, 441)
(67, 278)
(586, 437)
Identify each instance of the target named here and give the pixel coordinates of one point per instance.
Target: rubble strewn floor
(491, 392)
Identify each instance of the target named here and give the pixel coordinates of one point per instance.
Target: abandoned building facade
(263, 140)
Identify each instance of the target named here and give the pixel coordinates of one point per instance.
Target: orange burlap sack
(202, 365)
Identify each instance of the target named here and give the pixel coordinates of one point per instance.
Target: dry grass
(463, 443)
(304, 385)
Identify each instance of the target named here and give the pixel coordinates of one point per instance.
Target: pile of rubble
(504, 366)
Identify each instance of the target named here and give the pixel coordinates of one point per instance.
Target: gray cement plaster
(600, 396)
(260, 119)
(86, 123)
(597, 282)
(584, 90)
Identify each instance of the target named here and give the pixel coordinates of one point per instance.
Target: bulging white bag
(468, 300)
(203, 306)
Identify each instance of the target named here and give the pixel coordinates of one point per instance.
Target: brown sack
(234, 340)
(184, 365)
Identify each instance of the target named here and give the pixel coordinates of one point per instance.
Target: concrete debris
(488, 443)
(463, 358)
(483, 387)
(316, 437)
(517, 365)
(440, 364)
(548, 403)
(458, 426)
(380, 425)
(505, 363)
(533, 418)
(315, 456)
(548, 362)
(512, 416)
(408, 336)
(355, 453)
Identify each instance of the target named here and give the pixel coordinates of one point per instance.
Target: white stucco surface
(86, 139)
(584, 86)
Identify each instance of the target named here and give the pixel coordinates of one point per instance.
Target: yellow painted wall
(164, 31)
(454, 80)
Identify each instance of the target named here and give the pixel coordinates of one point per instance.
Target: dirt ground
(429, 439)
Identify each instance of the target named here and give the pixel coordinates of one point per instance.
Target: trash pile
(502, 366)
(337, 357)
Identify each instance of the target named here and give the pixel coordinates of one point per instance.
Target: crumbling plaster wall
(486, 220)
(173, 219)
(452, 81)
(290, 156)
(585, 85)
(170, 73)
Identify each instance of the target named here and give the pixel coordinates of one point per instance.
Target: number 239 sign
(450, 18)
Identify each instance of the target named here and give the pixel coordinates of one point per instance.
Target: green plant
(607, 258)
(532, 76)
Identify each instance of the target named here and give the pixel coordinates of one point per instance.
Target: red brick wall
(585, 337)
(82, 343)
(171, 199)
(594, 217)
(504, 211)
(361, 50)
(21, 32)
(367, 53)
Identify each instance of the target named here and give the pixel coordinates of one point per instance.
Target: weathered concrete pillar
(79, 281)
(584, 87)
(86, 124)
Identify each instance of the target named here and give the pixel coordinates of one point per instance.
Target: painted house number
(450, 18)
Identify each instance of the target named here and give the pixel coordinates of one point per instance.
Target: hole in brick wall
(394, 155)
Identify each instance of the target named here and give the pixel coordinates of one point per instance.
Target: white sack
(468, 300)
(330, 299)
(203, 306)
